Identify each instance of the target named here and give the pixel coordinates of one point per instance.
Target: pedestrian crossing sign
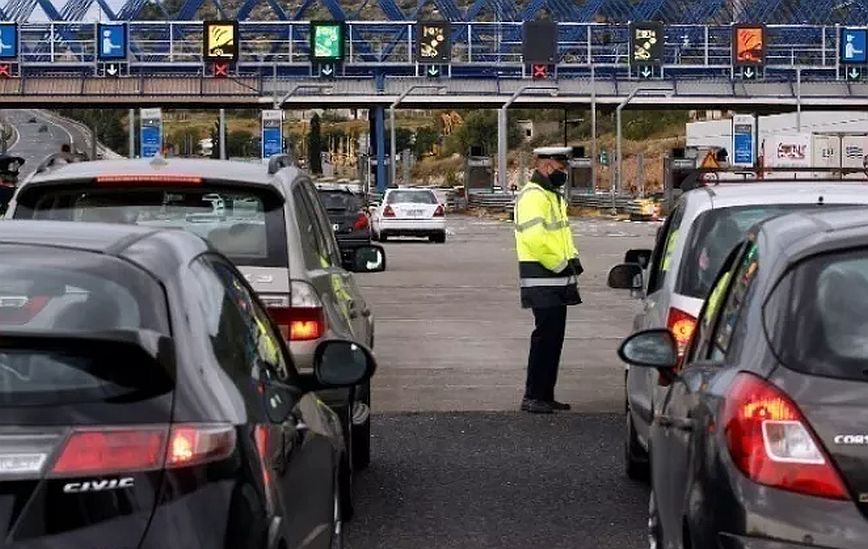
(8, 40)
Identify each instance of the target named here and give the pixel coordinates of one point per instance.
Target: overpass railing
(479, 49)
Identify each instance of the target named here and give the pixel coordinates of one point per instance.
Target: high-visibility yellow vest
(544, 244)
(670, 247)
(716, 294)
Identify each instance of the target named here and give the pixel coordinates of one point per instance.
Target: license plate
(414, 213)
(336, 227)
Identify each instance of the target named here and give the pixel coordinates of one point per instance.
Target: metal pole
(392, 146)
(593, 131)
(565, 127)
(405, 158)
(501, 130)
(501, 147)
(222, 134)
(798, 99)
(132, 132)
(94, 141)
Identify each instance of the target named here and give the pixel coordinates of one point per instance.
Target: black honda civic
(147, 401)
(761, 440)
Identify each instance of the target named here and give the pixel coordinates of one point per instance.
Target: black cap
(9, 165)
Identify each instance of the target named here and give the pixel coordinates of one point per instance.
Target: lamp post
(634, 93)
(278, 103)
(501, 129)
(393, 173)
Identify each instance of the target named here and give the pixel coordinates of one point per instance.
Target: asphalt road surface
(451, 335)
(454, 465)
(31, 144)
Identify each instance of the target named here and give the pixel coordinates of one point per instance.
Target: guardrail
(85, 133)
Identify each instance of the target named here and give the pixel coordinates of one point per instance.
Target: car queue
(745, 379)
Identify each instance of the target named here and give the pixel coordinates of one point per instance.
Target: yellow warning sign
(221, 41)
(710, 161)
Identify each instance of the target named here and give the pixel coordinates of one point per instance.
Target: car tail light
(111, 450)
(301, 317)
(771, 442)
(439, 212)
(135, 180)
(20, 309)
(198, 444)
(361, 222)
(681, 325)
(388, 212)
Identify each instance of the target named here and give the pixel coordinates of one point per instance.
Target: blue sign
(744, 148)
(152, 141)
(853, 42)
(272, 142)
(8, 41)
(111, 41)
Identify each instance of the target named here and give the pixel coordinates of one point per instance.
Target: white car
(409, 212)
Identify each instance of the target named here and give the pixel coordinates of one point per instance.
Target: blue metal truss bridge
(683, 12)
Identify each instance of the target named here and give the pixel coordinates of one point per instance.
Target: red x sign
(539, 71)
(5, 70)
(221, 69)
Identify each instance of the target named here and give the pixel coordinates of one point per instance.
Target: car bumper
(355, 237)
(752, 516)
(412, 227)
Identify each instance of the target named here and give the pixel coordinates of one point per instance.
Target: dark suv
(348, 214)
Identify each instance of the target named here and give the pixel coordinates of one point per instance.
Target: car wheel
(636, 459)
(655, 529)
(383, 237)
(362, 431)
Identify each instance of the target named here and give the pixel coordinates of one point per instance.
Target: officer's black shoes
(559, 406)
(534, 406)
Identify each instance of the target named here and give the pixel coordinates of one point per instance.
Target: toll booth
(679, 171)
(478, 172)
(580, 180)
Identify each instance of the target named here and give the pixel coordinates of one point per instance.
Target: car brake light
(301, 317)
(361, 222)
(439, 212)
(681, 325)
(111, 450)
(148, 179)
(388, 212)
(197, 444)
(771, 442)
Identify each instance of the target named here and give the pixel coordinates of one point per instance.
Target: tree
(239, 143)
(314, 146)
(480, 128)
(426, 138)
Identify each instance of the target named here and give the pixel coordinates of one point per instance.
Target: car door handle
(354, 310)
(679, 424)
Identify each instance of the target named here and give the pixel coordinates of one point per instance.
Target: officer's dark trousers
(546, 343)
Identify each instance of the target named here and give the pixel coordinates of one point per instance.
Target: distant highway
(31, 144)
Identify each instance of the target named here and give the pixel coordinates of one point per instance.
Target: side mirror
(368, 259)
(642, 257)
(339, 363)
(626, 276)
(655, 348)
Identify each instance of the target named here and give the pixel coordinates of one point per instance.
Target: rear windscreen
(411, 197)
(74, 294)
(343, 201)
(713, 235)
(246, 226)
(818, 317)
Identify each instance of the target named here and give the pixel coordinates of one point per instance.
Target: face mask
(558, 178)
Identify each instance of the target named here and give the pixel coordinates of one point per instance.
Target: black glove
(576, 266)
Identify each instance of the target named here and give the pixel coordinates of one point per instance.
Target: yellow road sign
(221, 40)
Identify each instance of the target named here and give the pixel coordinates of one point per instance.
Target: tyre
(383, 237)
(635, 457)
(362, 432)
(438, 238)
(655, 529)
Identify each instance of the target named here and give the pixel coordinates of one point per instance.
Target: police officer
(9, 168)
(549, 267)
